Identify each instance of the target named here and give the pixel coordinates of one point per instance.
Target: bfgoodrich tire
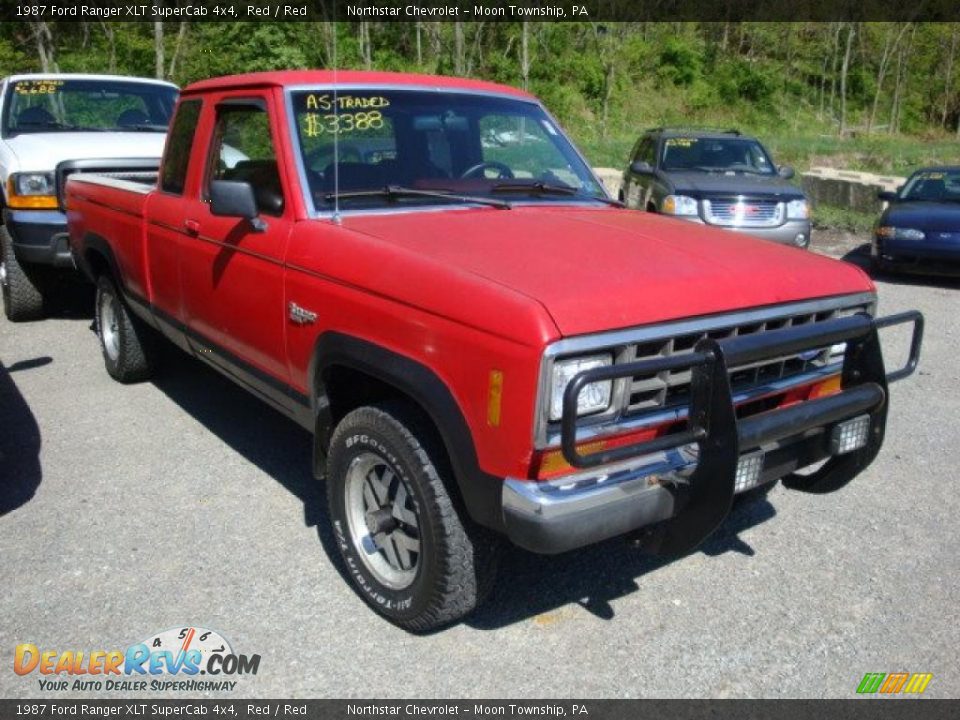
(407, 548)
(22, 287)
(127, 344)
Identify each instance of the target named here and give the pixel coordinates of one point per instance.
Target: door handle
(192, 227)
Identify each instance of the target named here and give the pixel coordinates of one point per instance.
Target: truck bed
(112, 206)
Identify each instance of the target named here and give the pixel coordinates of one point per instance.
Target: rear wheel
(22, 286)
(410, 553)
(127, 345)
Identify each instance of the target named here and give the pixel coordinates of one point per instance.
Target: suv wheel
(409, 552)
(22, 287)
(125, 341)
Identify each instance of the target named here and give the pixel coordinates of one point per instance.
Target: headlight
(798, 210)
(679, 205)
(31, 190)
(594, 397)
(897, 233)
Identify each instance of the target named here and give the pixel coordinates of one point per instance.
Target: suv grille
(743, 212)
(671, 389)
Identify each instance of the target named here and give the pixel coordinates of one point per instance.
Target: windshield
(933, 186)
(722, 154)
(480, 146)
(64, 105)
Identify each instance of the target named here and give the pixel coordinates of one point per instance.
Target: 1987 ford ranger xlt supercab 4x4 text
(425, 273)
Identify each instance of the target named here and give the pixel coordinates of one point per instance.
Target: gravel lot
(127, 510)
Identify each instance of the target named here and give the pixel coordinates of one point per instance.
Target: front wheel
(126, 342)
(409, 552)
(22, 287)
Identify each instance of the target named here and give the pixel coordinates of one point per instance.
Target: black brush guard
(712, 424)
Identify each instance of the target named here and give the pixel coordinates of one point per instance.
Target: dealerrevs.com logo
(171, 660)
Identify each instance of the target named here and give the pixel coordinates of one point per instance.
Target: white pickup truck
(52, 126)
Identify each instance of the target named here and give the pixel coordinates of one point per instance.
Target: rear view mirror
(886, 195)
(641, 167)
(786, 172)
(229, 198)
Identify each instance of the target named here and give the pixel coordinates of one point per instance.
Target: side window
(646, 151)
(179, 145)
(243, 151)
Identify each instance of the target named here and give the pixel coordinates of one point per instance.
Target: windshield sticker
(931, 176)
(316, 125)
(680, 142)
(37, 87)
(327, 101)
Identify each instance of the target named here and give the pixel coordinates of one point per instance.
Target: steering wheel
(479, 171)
(347, 153)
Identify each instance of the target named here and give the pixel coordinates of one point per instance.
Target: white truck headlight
(798, 210)
(679, 205)
(593, 398)
(31, 190)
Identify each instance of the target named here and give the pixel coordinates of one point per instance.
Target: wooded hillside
(604, 81)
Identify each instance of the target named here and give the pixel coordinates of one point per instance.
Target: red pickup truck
(426, 274)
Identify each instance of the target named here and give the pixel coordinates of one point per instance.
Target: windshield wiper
(55, 125)
(543, 188)
(395, 192)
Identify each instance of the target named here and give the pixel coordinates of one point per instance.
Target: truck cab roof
(293, 78)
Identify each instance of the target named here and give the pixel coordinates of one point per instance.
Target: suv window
(243, 151)
(179, 145)
(645, 151)
(716, 154)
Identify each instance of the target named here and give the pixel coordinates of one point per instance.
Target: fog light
(849, 435)
(748, 471)
(800, 240)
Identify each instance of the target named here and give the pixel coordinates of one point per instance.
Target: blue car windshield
(932, 186)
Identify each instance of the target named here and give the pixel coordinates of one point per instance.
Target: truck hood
(607, 268)
(41, 152)
(701, 184)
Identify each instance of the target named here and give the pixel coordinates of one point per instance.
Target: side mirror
(229, 198)
(641, 167)
(886, 195)
(786, 172)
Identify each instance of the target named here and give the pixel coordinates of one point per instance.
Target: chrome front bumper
(690, 478)
(577, 510)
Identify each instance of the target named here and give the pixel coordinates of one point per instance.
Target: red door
(231, 269)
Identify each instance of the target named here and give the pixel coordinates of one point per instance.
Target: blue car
(920, 229)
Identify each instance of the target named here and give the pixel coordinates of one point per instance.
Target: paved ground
(129, 510)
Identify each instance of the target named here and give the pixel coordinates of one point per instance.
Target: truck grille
(667, 390)
(743, 212)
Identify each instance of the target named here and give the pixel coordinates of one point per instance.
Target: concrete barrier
(847, 188)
